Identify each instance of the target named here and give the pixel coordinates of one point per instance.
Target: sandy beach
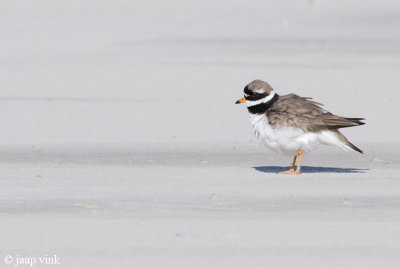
(121, 144)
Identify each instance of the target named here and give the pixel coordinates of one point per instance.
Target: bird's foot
(290, 171)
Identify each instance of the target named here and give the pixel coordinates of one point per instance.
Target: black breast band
(263, 107)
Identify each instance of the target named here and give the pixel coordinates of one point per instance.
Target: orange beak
(242, 100)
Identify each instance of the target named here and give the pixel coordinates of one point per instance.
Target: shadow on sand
(310, 169)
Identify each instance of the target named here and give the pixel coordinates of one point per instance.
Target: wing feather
(302, 112)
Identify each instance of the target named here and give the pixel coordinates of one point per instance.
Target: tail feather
(354, 147)
(356, 120)
(347, 142)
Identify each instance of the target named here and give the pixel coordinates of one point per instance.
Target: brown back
(301, 112)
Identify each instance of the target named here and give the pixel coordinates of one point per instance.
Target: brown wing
(301, 112)
(336, 122)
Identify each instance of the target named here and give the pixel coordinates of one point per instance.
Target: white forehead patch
(266, 99)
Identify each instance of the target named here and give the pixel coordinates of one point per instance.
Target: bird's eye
(247, 91)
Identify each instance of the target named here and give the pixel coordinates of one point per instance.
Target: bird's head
(257, 92)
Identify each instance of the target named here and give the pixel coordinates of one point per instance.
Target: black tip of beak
(237, 102)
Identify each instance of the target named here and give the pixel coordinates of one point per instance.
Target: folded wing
(301, 112)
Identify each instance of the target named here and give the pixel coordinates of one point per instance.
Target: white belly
(283, 140)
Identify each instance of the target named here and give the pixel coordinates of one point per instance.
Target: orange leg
(298, 169)
(291, 170)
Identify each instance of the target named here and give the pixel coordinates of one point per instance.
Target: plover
(291, 124)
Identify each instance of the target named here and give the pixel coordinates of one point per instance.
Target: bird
(291, 124)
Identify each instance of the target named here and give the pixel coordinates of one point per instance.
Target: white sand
(121, 144)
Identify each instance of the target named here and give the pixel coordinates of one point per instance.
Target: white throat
(266, 99)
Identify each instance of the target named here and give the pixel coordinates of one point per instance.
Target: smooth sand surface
(120, 143)
(191, 205)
